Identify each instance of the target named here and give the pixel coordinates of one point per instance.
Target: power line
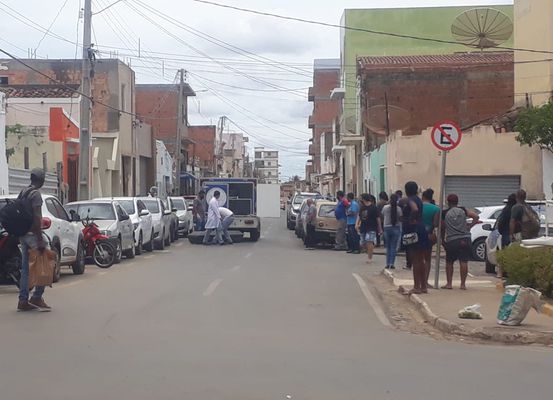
(52, 24)
(108, 7)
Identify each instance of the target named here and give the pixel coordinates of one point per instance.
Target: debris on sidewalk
(516, 303)
(470, 312)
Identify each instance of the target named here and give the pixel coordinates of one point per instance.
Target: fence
(18, 179)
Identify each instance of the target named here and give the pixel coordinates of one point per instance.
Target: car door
(165, 221)
(55, 231)
(145, 220)
(125, 227)
(70, 234)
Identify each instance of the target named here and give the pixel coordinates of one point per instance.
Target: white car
(161, 220)
(65, 237)
(184, 214)
(141, 219)
(112, 220)
(487, 215)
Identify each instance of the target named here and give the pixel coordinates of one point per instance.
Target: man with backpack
(23, 218)
(525, 222)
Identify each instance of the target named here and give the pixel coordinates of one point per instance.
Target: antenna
(483, 28)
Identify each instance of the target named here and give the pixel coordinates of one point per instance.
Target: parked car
(300, 218)
(294, 207)
(141, 220)
(487, 215)
(184, 215)
(112, 220)
(65, 237)
(174, 220)
(161, 221)
(326, 224)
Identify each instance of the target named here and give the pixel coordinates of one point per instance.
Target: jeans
(27, 242)
(353, 239)
(199, 225)
(213, 231)
(227, 222)
(310, 236)
(392, 235)
(341, 235)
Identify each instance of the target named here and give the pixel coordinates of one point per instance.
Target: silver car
(112, 220)
(161, 220)
(184, 215)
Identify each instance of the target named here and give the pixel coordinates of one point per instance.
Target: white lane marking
(148, 257)
(248, 255)
(235, 269)
(212, 286)
(372, 301)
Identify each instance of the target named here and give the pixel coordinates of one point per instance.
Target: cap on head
(453, 199)
(37, 176)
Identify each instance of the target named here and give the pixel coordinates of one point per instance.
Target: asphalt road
(250, 321)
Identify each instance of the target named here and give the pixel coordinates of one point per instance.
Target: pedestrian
(152, 192)
(383, 199)
(391, 221)
(213, 223)
(456, 239)
(32, 240)
(199, 210)
(503, 224)
(525, 222)
(368, 224)
(341, 217)
(227, 218)
(414, 237)
(431, 220)
(310, 217)
(402, 201)
(352, 235)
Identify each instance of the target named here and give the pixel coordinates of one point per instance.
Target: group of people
(212, 218)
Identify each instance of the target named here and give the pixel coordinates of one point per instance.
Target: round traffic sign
(446, 135)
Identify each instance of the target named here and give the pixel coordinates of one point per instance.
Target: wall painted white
(3, 161)
(268, 201)
(548, 174)
(164, 169)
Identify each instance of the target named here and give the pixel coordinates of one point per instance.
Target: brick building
(421, 90)
(202, 147)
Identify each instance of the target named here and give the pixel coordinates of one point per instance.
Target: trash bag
(41, 267)
(516, 303)
(470, 312)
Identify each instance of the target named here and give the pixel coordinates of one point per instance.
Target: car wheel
(119, 250)
(479, 249)
(129, 254)
(289, 226)
(140, 246)
(490, 268)
(254, 236)
(168, 239)
(79, 265)
(57, 265)
(150, 245)
(161, 243)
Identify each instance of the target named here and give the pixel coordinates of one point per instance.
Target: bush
(528, 267)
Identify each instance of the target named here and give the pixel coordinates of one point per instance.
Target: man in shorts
(456, 239)
(369, 224)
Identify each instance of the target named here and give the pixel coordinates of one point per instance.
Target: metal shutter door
(474, 191)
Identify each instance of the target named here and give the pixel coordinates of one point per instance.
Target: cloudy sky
(253, 69)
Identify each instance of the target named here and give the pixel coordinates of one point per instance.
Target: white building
(231, 163)
(3, 160)
(266, 165)
(164, 170)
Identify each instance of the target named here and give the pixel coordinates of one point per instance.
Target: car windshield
(300, 198)
(327, 211)
(152, 206)
(95, 211)
(179, 204)
(128, 206)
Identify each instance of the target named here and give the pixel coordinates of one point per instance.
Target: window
(95, 211)
(120, 212)
(327, 211)
(140, 205)
(123, 102)
(62, 214)
(179, 204)
(128, 206)
(4, 80)
(152, 205)
(496, 214)
(50, 206)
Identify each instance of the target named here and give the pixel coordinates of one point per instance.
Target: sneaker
(356, 252)
(40, 304)
(26, 306)
(392, 267)
(349, 251)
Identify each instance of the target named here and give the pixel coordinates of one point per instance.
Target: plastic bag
(41, 267)
(516, 303)
(470, 312)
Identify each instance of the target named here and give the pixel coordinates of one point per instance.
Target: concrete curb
(499, 334)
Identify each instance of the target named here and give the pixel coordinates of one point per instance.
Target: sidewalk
(440, 308)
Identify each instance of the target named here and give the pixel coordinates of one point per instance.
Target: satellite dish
(222, 198)
(375, 119)
(482, 28)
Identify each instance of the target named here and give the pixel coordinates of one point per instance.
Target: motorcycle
(10, 257)
(97, 245)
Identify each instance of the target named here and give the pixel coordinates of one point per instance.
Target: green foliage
(535, 126)
(11, 129)
(528, 267)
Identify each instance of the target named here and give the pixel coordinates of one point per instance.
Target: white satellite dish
(222, 198)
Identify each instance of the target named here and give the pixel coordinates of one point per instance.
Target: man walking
(227, 218)
(32, 240)
(341, 216)
(456, 239)
(199, 210)
(352, 214)
(525, 222)
(213, 223)
(310, 217)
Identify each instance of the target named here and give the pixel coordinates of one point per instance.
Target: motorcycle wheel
(104, 254)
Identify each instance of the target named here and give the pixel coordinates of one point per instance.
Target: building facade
(232, 155)
(266, 165)
(4, 188)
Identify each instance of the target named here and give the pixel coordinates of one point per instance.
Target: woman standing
(391, 215)
(368, 224)
(414, 237)
(503, 227)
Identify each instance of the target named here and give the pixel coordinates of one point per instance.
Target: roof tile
(457, 59)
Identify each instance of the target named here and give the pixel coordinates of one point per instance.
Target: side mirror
(487, 227)
(74, 216)
(167, 212)
(124, 218)
(174, 210)
(144, 213)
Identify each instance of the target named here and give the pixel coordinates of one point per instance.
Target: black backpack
(17, 215)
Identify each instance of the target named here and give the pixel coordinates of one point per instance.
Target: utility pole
(84, 137)
(180, 130)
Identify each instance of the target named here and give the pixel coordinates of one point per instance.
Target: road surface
(264, 320)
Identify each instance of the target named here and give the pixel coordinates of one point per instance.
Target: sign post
(446, 136)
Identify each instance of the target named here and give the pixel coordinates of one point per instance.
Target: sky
(253, 69)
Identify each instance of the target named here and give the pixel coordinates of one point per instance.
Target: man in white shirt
(213, 223)
(227, 217)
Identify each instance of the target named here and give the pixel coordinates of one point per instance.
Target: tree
(535, 127)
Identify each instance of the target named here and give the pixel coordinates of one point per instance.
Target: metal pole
(180, 128)
(84, 137)
(439, 241)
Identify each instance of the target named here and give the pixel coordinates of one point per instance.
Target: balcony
(311, 122)
(311, 94)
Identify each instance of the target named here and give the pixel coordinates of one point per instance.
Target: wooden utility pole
(180, 130)
(84, 137)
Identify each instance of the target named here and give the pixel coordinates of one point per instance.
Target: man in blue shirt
(341, 216)
(352, 213)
